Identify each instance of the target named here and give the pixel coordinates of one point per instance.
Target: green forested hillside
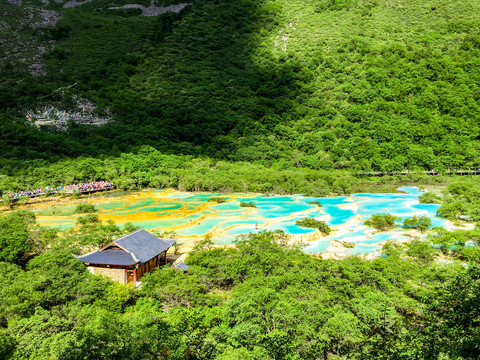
(321, 84)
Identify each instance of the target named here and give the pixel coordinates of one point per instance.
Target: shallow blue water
(318, 247)
(178, 196)
(338, 216)
(227, 206)
(293, 229)
(288, 209)
(402, 204)
(243, 230)
(411, 190)
(201, 228)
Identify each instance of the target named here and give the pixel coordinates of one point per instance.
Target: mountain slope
(357, 84)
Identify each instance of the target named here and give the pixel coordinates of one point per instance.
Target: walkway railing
(63, 191)
(432, 172)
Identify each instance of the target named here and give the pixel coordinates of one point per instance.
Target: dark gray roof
(140, 246)
(180, 266)
(108, 257)
(143, 245)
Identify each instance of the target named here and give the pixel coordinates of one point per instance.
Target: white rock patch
(153, 10)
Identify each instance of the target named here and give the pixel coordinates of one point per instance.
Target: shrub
(218, 200)
(392, 249)
(421, 223)
(16, 235)
(318, 203)
(315, 224)
(166, 234)
(421, 250)
(247, 204)
(88, 219)
(459, 187)
(382, 221)
(470, 253)
(430, 198)
(451, 210)
(85, 208)
(129, 227)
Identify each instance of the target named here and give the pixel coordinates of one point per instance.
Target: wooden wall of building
(150, 266)
(125, 276)
(115, 274)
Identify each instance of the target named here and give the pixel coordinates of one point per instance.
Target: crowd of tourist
(69, 189)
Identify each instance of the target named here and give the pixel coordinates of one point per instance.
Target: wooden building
(127, 258)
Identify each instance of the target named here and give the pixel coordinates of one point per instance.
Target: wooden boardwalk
(50, 193)
(432, 173)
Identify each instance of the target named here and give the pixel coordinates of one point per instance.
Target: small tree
(6, 200)
(430, 198)
(382, 221)
(315, 224)
(247, 204)
(169, 235)
(422, 250)
(129, 227)
(15, 231)
(88, 219)
(421, 223)
(85, 208)
(166, 234)
(392, 249)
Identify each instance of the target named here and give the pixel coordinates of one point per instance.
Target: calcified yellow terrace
(191, 215)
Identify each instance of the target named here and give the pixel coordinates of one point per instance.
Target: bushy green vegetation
(318, 203)
(420, 222)
(315, 224)
(87, 219)
(248, 204)
(382, 221)
(261, 298)
(459, 243)
(422, 251)
(462, 201)
(151, 168)
(366, 85)
(218, 200)
(430, 198)
(347, 244)
(85, 208)
(16, 236)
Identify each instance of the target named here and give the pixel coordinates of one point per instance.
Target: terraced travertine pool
(195, 215)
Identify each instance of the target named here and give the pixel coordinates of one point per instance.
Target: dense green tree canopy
(15, 235)
(321, 84)
(262, 298)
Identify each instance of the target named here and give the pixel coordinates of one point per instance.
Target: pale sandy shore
(450, 226)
